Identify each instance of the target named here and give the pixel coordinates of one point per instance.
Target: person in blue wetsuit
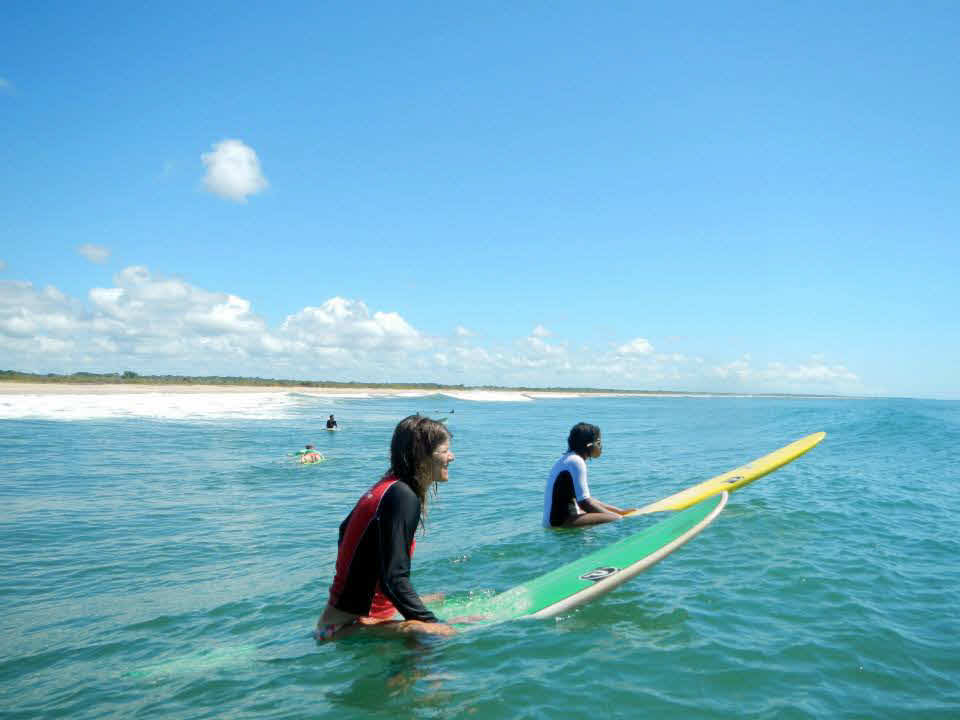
(566, 500)
(372, 585)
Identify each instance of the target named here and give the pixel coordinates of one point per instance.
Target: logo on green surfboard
(599, 573)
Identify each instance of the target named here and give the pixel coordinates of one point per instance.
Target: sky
(693, 196)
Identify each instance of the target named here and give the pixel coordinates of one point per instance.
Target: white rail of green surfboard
(733, 479)
(589, 577)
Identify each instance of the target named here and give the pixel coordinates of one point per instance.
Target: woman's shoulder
(400, 489)
(575, 459)
(570, 458)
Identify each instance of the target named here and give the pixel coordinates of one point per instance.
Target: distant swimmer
(376, 541)
(566, 500)
(331, 423)
(310, 455)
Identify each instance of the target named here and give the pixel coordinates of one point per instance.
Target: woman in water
(372, 582)
(567, 501)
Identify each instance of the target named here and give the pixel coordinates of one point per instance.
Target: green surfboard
(590, 577)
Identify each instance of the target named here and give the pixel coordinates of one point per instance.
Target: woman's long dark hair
(414, 441)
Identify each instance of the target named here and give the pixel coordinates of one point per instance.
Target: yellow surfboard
(733, 479)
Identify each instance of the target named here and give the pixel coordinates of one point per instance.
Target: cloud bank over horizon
(156, 324)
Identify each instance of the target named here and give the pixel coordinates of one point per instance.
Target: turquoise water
(164, 557)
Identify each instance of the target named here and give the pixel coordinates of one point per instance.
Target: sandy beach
(26, 388)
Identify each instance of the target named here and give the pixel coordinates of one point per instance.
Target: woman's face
(439, 462)
(596, 447)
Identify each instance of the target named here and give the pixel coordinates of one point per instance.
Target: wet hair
(414, 440)
(581, 436)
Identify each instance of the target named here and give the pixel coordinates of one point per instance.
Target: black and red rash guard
(373, 558)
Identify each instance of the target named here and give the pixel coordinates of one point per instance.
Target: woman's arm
(612, 508)
(397, 519)
(593, 508)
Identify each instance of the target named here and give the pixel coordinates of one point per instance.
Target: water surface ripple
(167, 558)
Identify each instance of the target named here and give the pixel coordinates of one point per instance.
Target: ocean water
(162, 556)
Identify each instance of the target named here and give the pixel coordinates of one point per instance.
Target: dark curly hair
(581, 436)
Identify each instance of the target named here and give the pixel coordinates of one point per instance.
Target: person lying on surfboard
(566, 500)
(372, 580)
(310, 455)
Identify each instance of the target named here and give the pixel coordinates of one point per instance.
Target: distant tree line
(128, 377)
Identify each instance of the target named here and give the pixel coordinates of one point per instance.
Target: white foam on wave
(488, 395)
(161, 406)
(554, 395)
(360, 395)
(469, 395)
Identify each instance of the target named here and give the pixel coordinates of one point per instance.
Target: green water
(168, 560)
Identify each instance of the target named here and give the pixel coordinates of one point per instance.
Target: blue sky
(706, 196)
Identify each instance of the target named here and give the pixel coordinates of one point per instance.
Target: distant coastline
(12, 381)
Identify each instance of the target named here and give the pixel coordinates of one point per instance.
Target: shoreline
(60, 388)
(17, 387)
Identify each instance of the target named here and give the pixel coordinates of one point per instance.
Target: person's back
(309, 455)
(365, 548)
(566, 484)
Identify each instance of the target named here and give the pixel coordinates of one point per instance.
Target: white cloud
(233, 171)
(541, 332)
(232, 315)
(640, 346)
(675, 358)
(3, 265)
(158, 310)
(815, 371)
(738, 369)
(540, 348)
(814, 374)
(144, 316)
(32, 319)
(461, 331)
(344, 333)
(94, 253)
